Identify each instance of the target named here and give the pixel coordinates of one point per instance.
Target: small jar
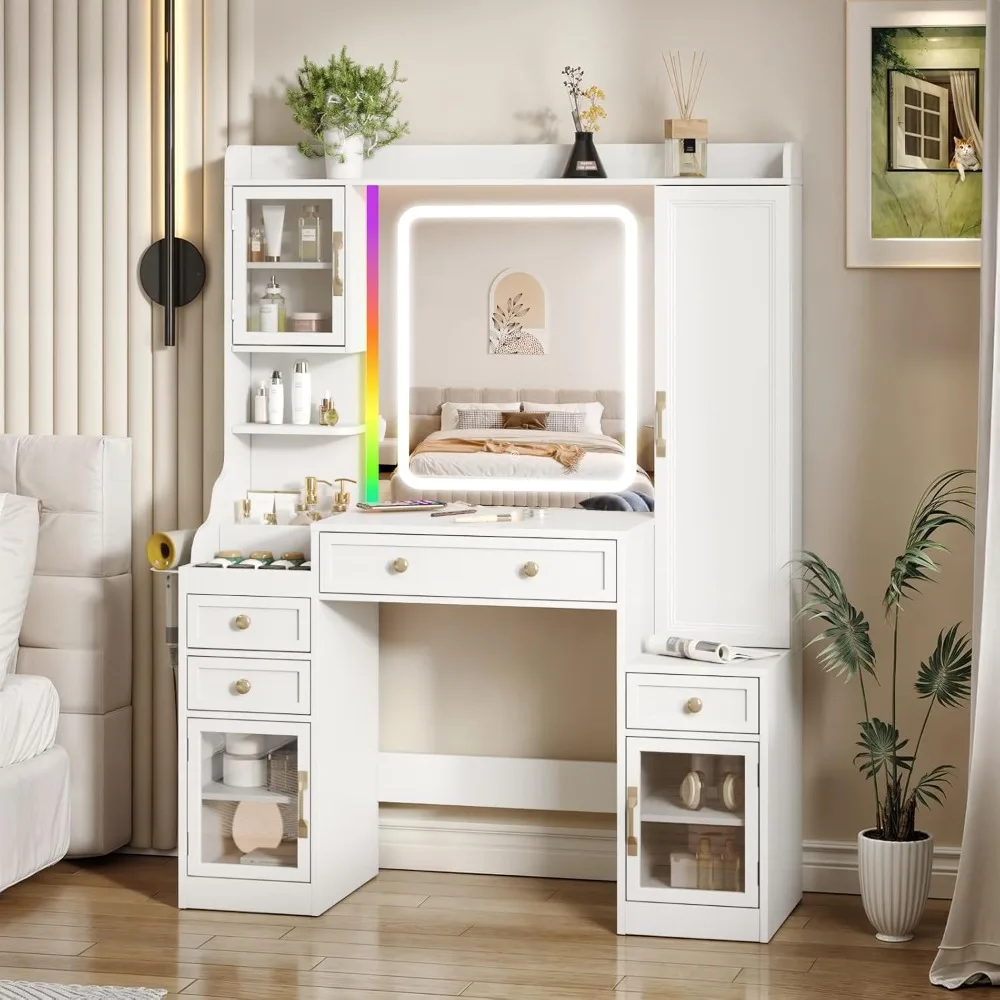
(306, 322)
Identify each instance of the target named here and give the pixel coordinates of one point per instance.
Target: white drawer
(280, 624)
(231, 684)
(685, 702)
(516, 569)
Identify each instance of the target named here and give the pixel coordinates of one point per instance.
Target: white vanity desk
(280, 771)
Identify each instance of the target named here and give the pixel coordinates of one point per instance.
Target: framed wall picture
(916, 77)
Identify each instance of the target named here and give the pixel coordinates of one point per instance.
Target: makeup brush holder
(686, 147)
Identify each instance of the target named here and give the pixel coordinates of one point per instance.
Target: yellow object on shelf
(169, 549)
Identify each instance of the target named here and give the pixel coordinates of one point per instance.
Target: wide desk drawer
(244, 684)
(280, 624)
(482, 567)
(687, 702)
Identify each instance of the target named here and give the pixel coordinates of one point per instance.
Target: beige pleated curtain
(80, 346)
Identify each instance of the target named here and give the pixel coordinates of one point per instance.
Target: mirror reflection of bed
(522, 441)
(522, 346)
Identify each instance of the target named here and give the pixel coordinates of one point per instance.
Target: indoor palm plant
(894, 858)
(349, 108)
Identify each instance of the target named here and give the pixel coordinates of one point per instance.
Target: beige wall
(890, 357)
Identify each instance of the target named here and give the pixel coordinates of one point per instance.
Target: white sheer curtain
(963, 95)
(970, 950)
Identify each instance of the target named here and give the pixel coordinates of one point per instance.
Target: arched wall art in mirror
(532, 308)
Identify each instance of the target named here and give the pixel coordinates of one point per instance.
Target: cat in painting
(965, 157)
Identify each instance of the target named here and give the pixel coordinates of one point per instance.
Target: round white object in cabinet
(693, 789)
(732, 792)
(244, 772)
(247, 744)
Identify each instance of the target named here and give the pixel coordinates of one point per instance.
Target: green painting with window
(927, 143)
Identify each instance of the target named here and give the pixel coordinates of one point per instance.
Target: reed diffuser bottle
(685, 138)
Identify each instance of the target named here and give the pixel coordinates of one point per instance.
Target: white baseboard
(832, 866)
(421, 844)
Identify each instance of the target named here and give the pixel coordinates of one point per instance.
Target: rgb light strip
(371, 358)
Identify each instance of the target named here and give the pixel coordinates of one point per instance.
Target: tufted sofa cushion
(77, 627)
(18, 546)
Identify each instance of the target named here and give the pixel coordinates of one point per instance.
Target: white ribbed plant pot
(895, 879)
(346, 158)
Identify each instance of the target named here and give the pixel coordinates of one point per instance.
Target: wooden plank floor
(418, 934)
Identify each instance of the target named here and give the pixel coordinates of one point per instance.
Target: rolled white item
(244, 772)
(688, 649)
(274, 224)
(169, 549)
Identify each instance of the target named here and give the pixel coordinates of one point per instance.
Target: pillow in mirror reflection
(257, 825)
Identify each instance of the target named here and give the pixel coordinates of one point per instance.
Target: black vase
(583, 160)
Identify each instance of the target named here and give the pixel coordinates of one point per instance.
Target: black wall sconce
(172, 270)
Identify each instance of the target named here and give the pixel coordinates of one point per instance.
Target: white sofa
(77, 628)
(34, 771)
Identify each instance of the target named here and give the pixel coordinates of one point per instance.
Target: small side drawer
(279, 624)
(688, 703)
(231, 684)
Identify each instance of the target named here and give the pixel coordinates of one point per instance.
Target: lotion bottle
(301, 394)
(272, 309)
(276, 400)
(260, 404)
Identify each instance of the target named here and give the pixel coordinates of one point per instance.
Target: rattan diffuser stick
(686, 91)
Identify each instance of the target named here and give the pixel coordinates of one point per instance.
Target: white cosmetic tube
(274, 223)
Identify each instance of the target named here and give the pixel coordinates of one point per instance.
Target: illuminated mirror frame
(404, 334)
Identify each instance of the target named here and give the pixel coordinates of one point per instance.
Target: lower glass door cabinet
(710, 793)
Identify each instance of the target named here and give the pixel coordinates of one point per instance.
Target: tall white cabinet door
(726, 449)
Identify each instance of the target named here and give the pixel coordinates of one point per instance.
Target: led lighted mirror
(511, 302)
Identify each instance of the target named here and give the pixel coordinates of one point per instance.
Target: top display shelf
(537, 165)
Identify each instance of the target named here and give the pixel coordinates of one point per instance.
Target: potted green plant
(348, 108)
(894, 857)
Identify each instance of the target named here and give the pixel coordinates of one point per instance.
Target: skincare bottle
(731, 867)
(276, 400)
(272, 308)
(328, 416)
(260, 404)
(301, 394)
(309, 236)
(255, 244)
(706, 863)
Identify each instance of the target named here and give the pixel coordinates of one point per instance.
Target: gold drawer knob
(241, 623)
(400, 565)
(693, 705)
(242, 686)
(530, 569)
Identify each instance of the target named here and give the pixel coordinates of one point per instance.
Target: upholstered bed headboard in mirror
(426, 401)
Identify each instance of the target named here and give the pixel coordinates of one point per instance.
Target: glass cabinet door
(288, 266)
(691, 817)
(248, 800)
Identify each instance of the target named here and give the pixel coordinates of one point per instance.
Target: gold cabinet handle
(693, 705)
(400, 565)
(242, 686)
(241, 623)
(631, 801)
(303, 823)
(530, 569)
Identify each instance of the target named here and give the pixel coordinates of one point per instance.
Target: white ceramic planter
(895, 878)
(346, 158)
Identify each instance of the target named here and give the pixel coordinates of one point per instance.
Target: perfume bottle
(686, 146)
(272, 309)
(255, 244)
(328, 415)
(309, 235)
(706, 863)
(731, 867)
